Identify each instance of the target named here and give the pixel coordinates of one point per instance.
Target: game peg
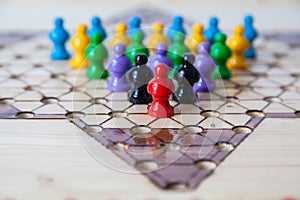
(220, 52)
(250, 33)
(205, 66)
(186, 75)
(238, 44)
(96, 53)
(157, 37)
(118, 65)
(59, 36)
(160, 57)
(176, 26)
(94, 42)
(187, 69)
(176, 50)
(212, 30)
(135, 26)
(139, 77)
(196, 38)
(96, 26)
(136, 47)
(160, 87)
(120, 36)
(79, 42)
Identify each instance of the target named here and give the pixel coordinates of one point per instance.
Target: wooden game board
(176, 153)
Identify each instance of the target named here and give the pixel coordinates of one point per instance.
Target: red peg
(160, 87)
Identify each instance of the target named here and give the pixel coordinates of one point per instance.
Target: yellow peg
(157, 37)
(196, 38)
(79, 42)
(120, 36)
(238, 44)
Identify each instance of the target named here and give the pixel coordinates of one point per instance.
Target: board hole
(272, 64)
(141, 129)
(146, 166)
(181, 186)
(78, 89)
(37, 65)
(231, 99)
(118, 114)
(210, 113)
(224, 146)
(279, 55)
(31, 87)
(7, 101)
(242, 129)
(297, 113)
(296, 75)
(20, 56)
(289, 88)
(244, 87)
(54, 76)
(259, 74)
(14, 76)
(170, 146)
(93, 129)
(49, 100)
(192, 129)
(41, 47)
(205, 164)
(119, 146)
(25, 115)
(273, 99)
(99, 101)
(75, 115)
(255, 113)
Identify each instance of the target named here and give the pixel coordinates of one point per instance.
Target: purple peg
(161, 50)
(205, 65)
(118, 65)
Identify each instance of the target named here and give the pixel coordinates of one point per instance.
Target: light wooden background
(42, 159)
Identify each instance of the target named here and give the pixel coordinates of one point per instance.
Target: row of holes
(123, 114)
(222, 146)
(139, 129)
(53, 100)
(147, 165)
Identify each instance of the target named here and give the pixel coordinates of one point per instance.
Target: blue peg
(59, 36)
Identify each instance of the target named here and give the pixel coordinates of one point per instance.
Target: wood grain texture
(54, 163)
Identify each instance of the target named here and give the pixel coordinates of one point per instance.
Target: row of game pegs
(86, 40)
(59, 35)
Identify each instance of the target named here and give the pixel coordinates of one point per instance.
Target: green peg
(220, 52)
(136, 47)
(96, 53)
(176, 50)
